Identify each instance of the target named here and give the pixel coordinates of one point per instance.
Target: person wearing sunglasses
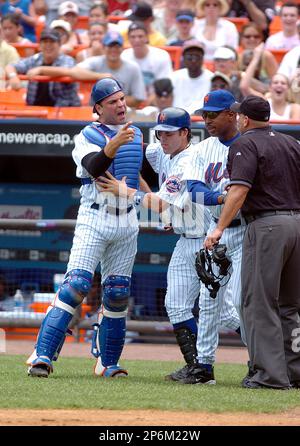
(207, 168)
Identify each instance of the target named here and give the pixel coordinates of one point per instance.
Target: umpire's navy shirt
(268, 162)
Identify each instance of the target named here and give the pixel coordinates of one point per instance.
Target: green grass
(73, 386)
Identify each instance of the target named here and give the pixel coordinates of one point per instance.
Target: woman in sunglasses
(251, 37)
(211, 29)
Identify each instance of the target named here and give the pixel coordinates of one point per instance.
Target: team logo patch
(173, 185)
(162, 117)
(206, 99)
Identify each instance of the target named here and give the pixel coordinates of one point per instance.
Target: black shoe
(248, 384)
(178, 374)
(199, 375)
(295, 384)
(249, 375)
(40, 371)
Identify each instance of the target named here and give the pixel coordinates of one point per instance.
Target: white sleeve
(153, 152)
(195, 169)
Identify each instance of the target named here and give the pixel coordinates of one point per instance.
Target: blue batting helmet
(171, 119)
(104, 88)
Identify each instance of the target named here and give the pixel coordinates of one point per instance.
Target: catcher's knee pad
(116, 292)
(187, 341)
(75, 287)
(52, 332)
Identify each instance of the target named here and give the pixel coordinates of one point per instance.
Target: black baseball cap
(140, 11)
(254, 107)
(163, 87)
(50, 34)
(137, 25)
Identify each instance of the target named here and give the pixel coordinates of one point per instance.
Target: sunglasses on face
(251, 36)
(193, 57)
(211, 114)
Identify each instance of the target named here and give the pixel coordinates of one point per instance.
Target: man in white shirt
(287, 38)
(193, 82)
(155, 63)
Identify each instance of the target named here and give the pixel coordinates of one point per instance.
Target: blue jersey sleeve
(197, 188)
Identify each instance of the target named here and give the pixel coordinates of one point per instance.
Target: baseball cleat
(41, 367)
(178, 374)
(198, 375)
(111, 371)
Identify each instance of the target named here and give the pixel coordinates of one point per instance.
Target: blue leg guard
(109, 336)
(54, 327)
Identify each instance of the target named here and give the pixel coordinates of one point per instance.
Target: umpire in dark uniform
(264, 169)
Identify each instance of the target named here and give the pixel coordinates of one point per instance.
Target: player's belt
(251, 217)
(113, 211)
(233, 224)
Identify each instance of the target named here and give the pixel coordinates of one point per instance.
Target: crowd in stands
(161, 51)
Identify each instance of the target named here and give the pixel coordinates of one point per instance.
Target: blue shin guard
(109, 335)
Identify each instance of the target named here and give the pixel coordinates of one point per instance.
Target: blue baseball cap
(185, 14)
(112, 37)
(217, 100)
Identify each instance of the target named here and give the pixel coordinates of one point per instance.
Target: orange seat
(209, 65)
(28, 111)
(175, 53)
(82, 22)
(275, 25)
(75, 113)
(239, 22)
(26, 49)
(13, 96)
(278, 54)
(85, 88)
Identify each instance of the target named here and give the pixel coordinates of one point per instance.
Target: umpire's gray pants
(271, 298)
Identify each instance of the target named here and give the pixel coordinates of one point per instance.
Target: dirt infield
(9, 417)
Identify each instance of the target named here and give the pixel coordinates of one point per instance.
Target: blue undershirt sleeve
(197, 188)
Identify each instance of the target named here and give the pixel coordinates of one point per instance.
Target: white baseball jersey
(183, 282)
(208, 165)
(99, 234)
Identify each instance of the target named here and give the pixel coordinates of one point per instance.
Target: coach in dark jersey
(264, 168)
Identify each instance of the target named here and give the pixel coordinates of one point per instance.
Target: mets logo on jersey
(173, 184)
(206, 98)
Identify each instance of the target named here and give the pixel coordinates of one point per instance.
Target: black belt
(113, 211)
(251, 217)
(187, 236)
(234, 224)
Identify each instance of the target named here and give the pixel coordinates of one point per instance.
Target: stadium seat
(275, 25)
(278, 54)
(75, 113)
(13, 97)
(239, 22)
(26, 49)
(175, 54)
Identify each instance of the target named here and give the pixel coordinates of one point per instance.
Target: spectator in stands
(44, 93)
(110, 64)
(225, 62)
(96, 33)
(184, 24)
(251, 37)
(290, 67)
(278, 95)
(220, 81)
(64, 29)
(8, 54)
(211, 29)
(12, 29)
(6, 301)
(260, 12)
(154, 62)
(165, 18)
(24, 9)
(191, 83)
(52, 12)
(288, 38)
(163, 97)
(142, 12)
(69, 12)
